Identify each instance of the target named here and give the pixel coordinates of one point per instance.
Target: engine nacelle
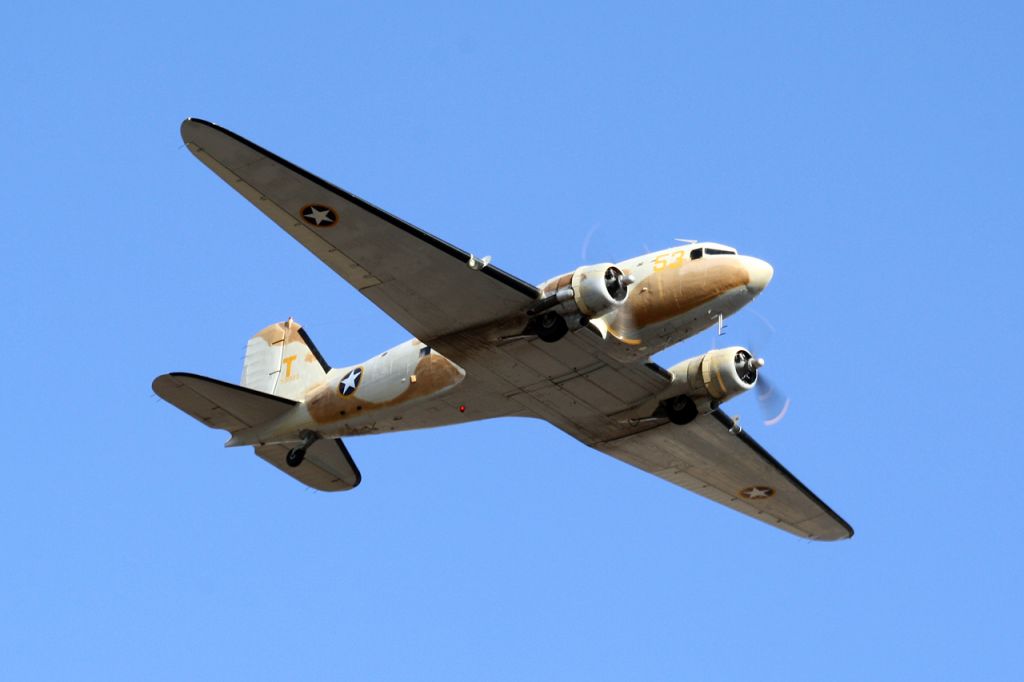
(588, 292)
(716, 376)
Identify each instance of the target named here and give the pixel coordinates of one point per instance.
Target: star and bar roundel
(319, 215)
(350, 382)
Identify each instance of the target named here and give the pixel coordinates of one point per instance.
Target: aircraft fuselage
(674, 294)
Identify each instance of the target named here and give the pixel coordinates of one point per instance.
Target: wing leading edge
(427, 285)
(710, 459)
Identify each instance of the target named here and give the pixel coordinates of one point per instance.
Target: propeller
(619, 322)
(773, 403)
(771, 400)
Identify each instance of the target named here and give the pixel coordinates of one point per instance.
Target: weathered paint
(667, 294)
(433, 374)
(671, 297)
(278, 360)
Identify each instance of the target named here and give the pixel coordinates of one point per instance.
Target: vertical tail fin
(282, 360)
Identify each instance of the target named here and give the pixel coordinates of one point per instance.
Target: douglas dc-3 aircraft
(574, 351)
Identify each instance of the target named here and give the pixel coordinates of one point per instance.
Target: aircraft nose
(760, 273)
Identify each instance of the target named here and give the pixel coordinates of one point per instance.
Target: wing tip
(757, 447)
(192, 125)
(836, 538)
(841, 531)
(163, 383)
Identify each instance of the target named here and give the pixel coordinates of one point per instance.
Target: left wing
(710, 458)
(427, 285)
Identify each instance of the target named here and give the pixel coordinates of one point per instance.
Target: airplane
(574, 351)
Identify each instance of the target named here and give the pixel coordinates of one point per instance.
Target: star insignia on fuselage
(319, 215)
(350, 382)
(757, 492)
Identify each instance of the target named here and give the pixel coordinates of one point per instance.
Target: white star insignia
(757, 492)
(351, 380)
(318, 215)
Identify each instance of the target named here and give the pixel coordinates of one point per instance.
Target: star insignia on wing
(350, 382)
(319, 215)
(757, 492)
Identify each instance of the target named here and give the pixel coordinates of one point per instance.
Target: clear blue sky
(871, 152)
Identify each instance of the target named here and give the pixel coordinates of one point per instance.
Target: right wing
(427, 285)
(708, 457)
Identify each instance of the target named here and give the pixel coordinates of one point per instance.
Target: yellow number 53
(672, 260)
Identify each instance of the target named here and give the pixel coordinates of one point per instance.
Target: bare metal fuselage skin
(411, 386)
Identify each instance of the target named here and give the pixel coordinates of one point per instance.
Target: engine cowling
(716, 376)
(599, 288)
(590, 291)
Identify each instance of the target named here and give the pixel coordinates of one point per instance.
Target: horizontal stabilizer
(218, 404)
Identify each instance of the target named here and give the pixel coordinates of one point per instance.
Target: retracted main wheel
(681, 410)
(551, 327)
(295, 456)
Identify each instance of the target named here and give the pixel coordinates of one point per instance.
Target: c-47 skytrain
(574, 351)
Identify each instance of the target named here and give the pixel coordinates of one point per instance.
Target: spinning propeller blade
(773, 403)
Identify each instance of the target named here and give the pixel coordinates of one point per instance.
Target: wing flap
(708, 458)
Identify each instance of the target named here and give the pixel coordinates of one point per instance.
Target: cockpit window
(709, 251)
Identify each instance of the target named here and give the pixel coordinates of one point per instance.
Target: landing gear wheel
(295, 456)
(680, 410)
(551, 327)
